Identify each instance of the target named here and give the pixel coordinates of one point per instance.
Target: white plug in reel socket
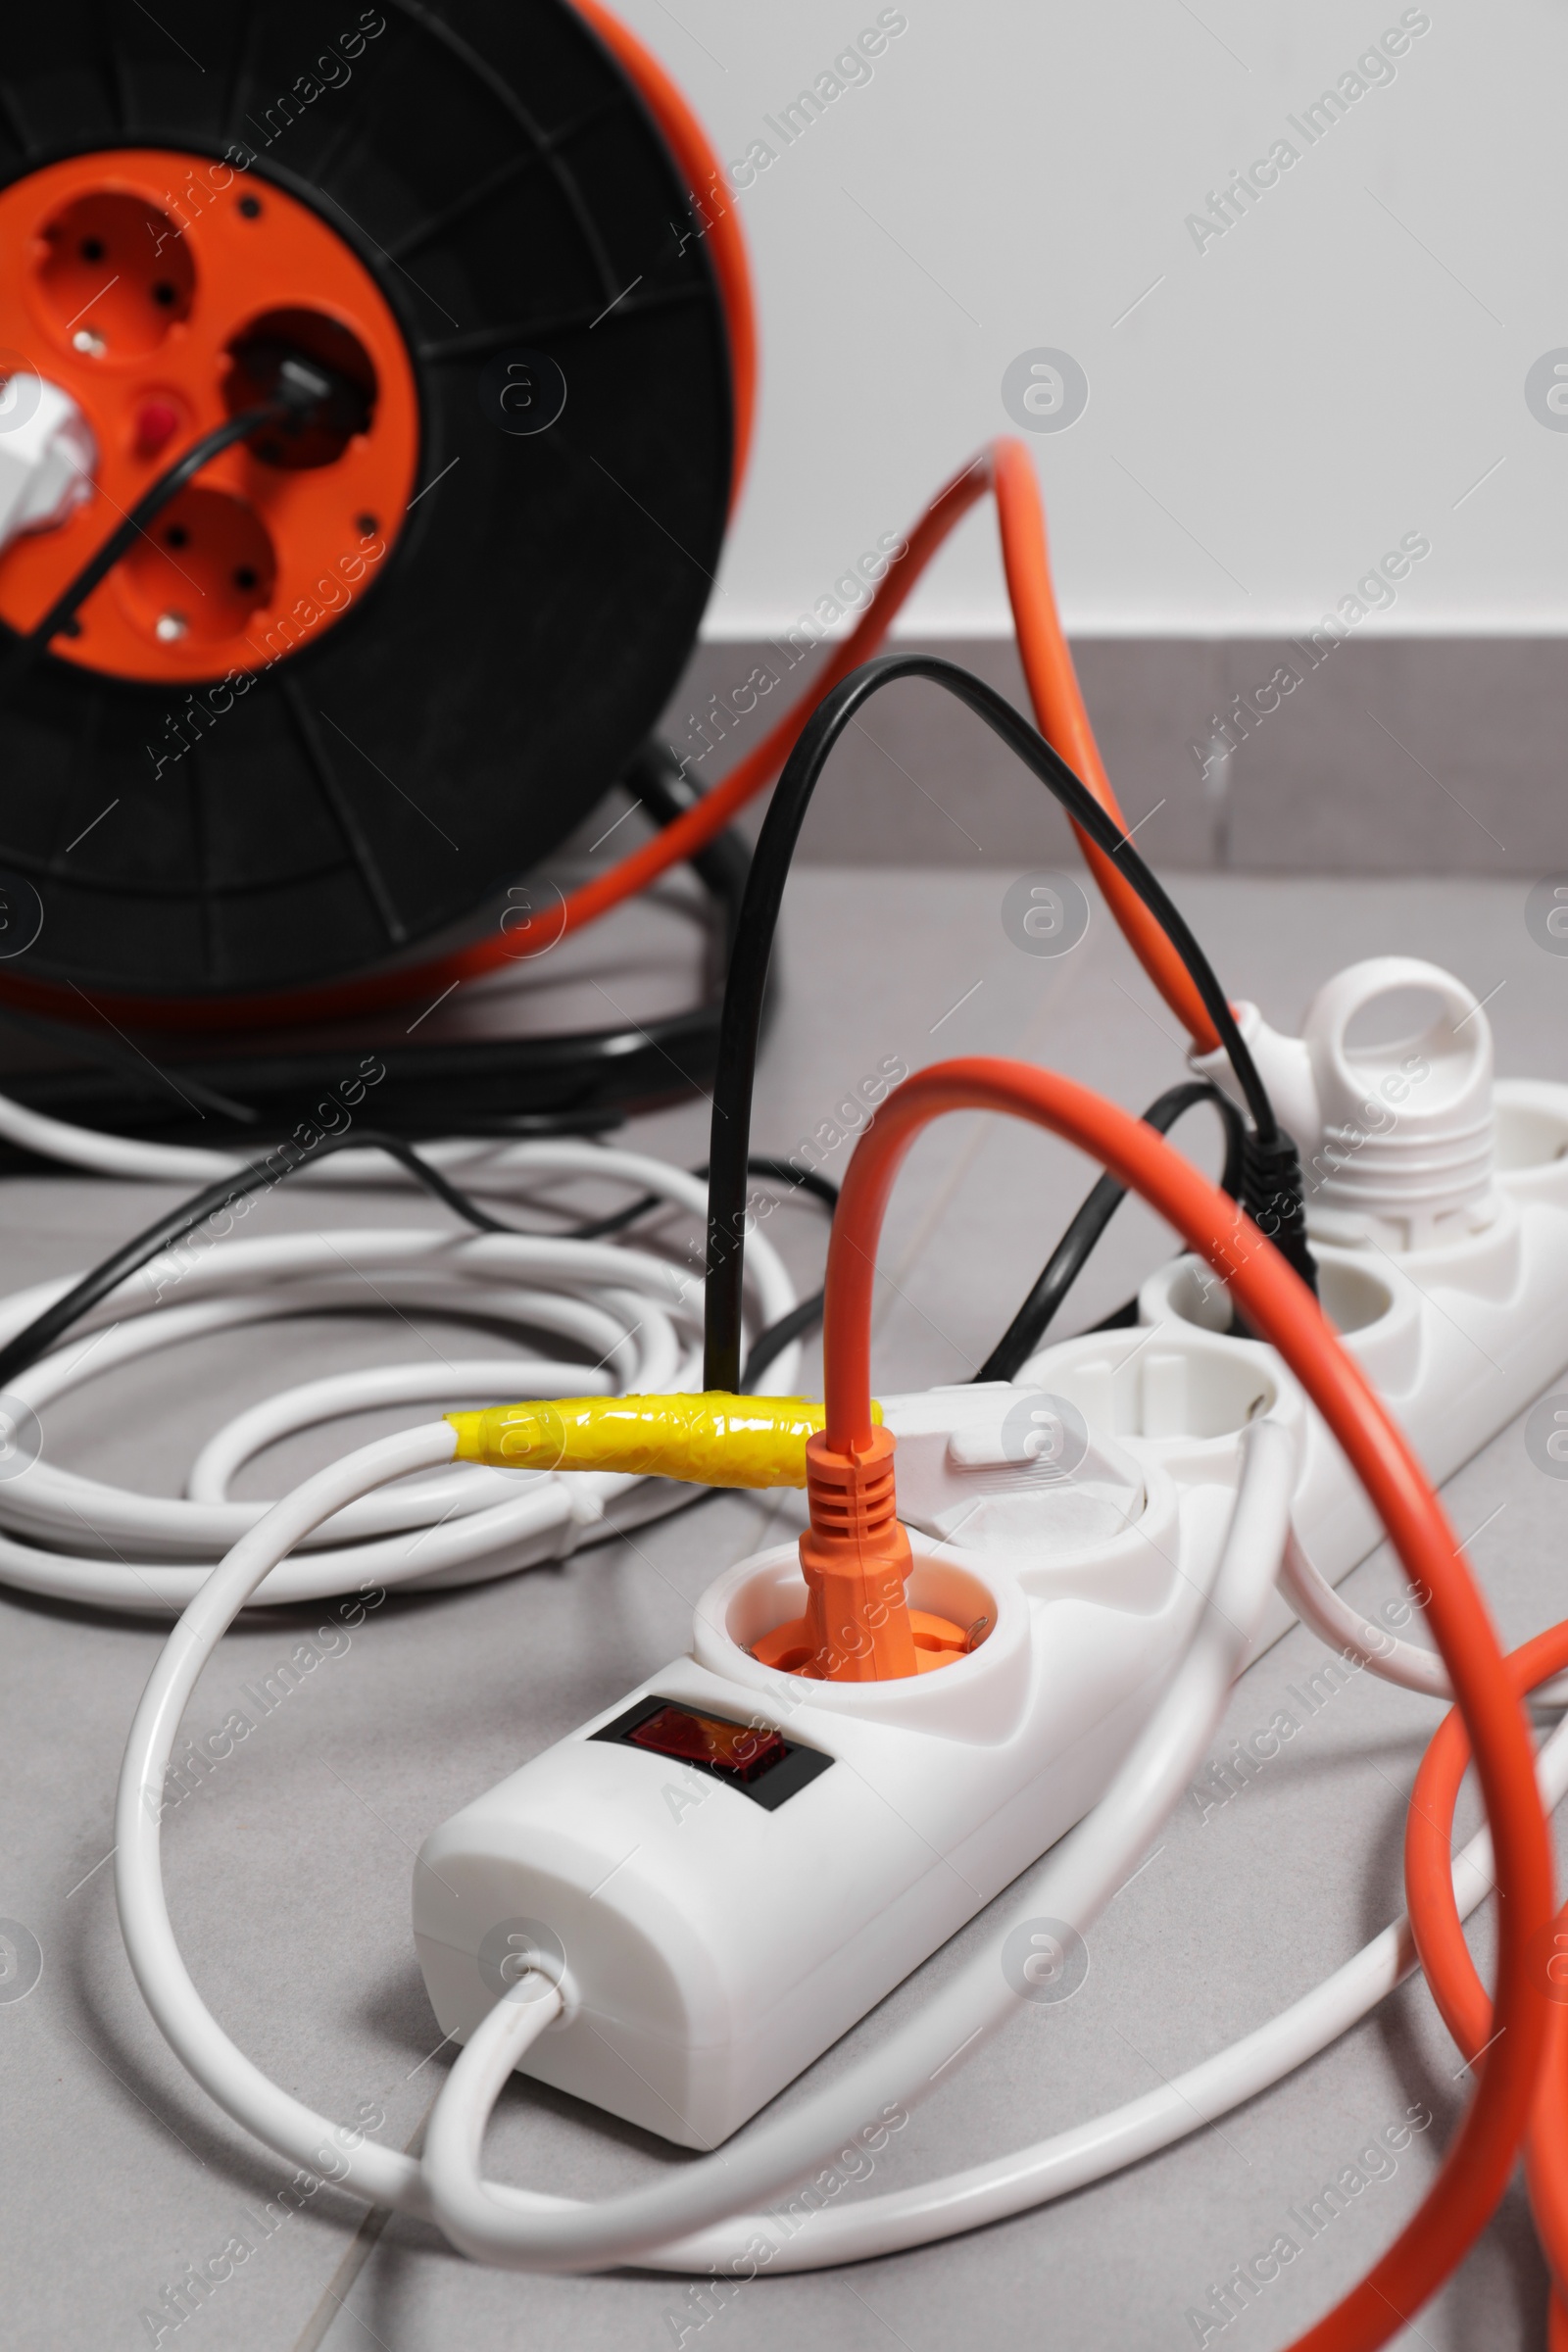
(47, 454)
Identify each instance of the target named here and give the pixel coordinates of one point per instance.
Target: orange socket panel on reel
(128, 278)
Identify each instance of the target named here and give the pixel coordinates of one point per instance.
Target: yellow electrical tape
(711, 1440)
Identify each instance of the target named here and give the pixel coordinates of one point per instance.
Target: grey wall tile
(1389, 755)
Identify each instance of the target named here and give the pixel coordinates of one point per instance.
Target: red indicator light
(740, 1751)
(157, 423)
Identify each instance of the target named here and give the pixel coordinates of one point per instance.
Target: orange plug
(858, 1626)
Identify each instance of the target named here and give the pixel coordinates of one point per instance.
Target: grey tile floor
(289, 1876)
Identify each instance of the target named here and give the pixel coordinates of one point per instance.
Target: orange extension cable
(1457, 1989)
(1006, 469)
(1280, 1308)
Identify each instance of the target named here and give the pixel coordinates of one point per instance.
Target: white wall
(1334, 372)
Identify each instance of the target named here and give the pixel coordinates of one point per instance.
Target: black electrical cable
(431, 1089)
(770, 1343)
(580, 1073)
(299, 389)
(226, 1192)
(108, 1046)
(667, 793)
(41, 1333)
(148, 507)
(1271, 1172)
(553, 1083)
(1068, 1261)
(778, 1336)
(783, 1171)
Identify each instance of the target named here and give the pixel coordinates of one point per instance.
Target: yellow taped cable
(711, 1439)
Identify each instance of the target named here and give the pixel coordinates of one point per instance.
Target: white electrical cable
(634, 1316)
(122, 1155)
(483, 1158)
(1073, 1881)
(1366, 1643)
(1073, 1886)
(497, 2047)
(1092, 2151)
(1344, 1628)
(1009, 2185)
(777, 2152)
(772, 2155)
(110, 1155)
(383, 2176)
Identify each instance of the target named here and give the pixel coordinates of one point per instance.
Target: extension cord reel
(345, 693)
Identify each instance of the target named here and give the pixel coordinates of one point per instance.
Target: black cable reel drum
(351, 686)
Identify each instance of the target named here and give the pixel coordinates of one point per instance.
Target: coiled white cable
(632, 1317)
(353, 1524)
(124, 1155)
(109, 1155)
(1072, 1884)
(673, 2225)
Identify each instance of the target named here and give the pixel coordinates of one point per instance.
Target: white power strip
(1438, 1201)
(1457, 1341)
(712, 1940)
(715, 1925)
